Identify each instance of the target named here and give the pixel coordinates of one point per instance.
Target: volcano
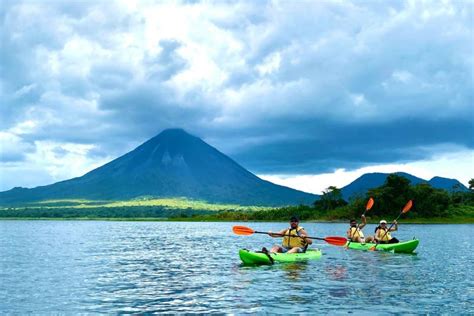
(171, 164)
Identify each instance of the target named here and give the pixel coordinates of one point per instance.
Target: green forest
(429, 205)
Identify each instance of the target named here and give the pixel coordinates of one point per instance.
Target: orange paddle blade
(370, 203)
(336, 241)
(407, 206)
(242, 230)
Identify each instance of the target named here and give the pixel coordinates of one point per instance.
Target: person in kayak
(382, 233)
(355, 234)
(294, 238)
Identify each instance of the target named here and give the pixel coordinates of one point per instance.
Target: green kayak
(401, 247)
(252, 257)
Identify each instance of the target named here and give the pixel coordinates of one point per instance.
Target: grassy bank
(136, 209)
(168, 203)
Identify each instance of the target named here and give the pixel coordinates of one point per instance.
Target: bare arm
(304, 235)
(395, 226)
(279, 234)
(364, 222)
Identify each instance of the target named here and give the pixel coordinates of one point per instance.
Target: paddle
(405, 209)
(333, 240)
(369, 205)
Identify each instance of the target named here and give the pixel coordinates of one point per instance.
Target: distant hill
(372, 180)
(447, 184)
(171, 164)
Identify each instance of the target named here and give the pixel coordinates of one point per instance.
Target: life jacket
(356, 232)
(383, 231)
(289, 241)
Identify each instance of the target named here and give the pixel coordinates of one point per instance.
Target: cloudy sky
(304, 93)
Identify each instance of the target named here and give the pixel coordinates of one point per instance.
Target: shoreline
(419, 221)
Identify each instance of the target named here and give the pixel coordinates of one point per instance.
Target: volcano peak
(174, 163)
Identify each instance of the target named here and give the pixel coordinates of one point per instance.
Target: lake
(165, 267)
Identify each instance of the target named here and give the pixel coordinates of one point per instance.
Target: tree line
(428, 202)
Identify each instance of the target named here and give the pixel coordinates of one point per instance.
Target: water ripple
(154, 267)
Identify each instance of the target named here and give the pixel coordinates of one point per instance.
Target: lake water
(132, 267)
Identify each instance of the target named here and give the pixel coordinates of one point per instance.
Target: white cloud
(47, 162)
(25, 127)
(12, 148)
(402, 76)
(270, 64)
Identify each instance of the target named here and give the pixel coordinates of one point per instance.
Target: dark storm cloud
(323, 147)
(145, 110)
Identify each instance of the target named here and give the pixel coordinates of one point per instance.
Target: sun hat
(383, 222)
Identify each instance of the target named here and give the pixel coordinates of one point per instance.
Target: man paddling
(295, 238)
(355, 234)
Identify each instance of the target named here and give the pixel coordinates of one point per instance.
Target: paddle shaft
(283, 235)
(333, 240)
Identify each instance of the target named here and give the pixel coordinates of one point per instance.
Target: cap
(294, 219)
(383, 222)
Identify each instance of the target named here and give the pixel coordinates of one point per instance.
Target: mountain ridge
(170, 164)
(375, 179)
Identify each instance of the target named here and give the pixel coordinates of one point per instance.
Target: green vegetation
(143, 202)
(430, 206)
(307, 214)
(143, 207)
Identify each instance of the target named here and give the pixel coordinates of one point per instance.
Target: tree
(331, 199)
(457, 194)
(391, 196)
(430, 202)
(471, 184)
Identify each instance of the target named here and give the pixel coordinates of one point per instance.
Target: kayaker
(294, 238)
(355, 234)
(382, 233)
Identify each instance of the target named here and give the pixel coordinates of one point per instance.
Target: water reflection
(294, 271)
(336, 272)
